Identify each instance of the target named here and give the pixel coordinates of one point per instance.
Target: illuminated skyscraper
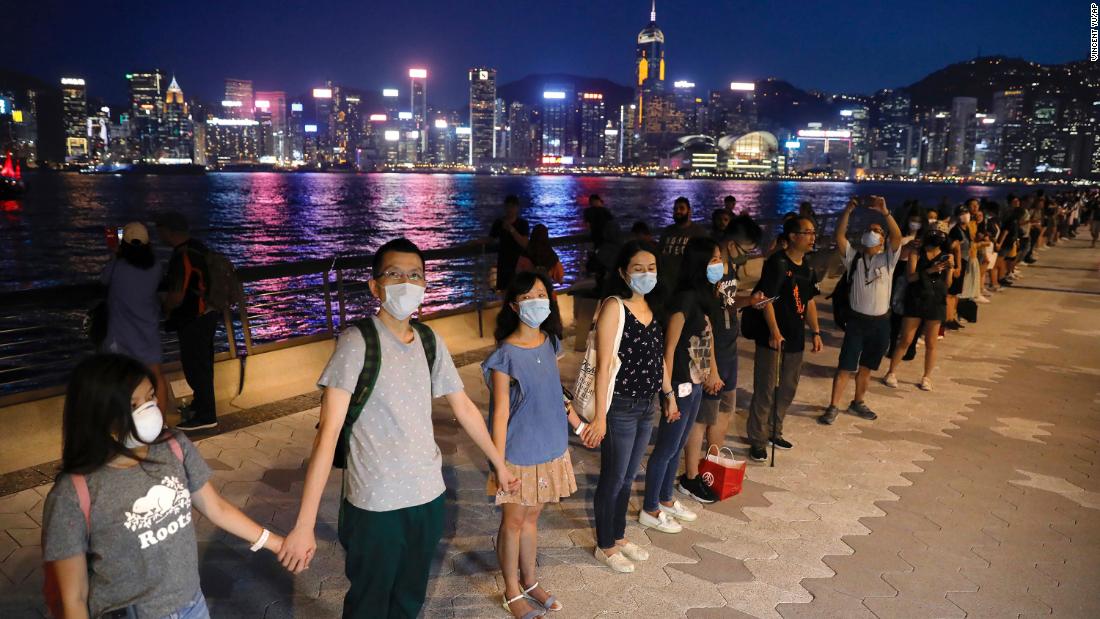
(1050, 151)
(934, 127)
(593, 120)
(892, 132)
(483, 94)
(74, 105)
(654, 110)
(176, 135)
(418, 105)
(322, 130)
(960, 139)
(274, 101)
(986, 144)
(147, 97)
(1016, 151)
(520, 135)
(240, 90)
(856, 119)
(558, 122)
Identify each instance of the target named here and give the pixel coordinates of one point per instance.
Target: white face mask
(914, 226)
(871, 239)
(402, 299)
(148, 423)
(964, 218)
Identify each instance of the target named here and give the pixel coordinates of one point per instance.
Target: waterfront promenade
(979, 499)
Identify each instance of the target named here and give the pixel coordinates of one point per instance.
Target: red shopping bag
(723, 476)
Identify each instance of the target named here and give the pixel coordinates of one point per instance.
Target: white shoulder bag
(584, 390)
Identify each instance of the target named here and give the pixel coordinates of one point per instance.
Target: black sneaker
(758, 454)
(861, 410)
(194, 425)
(696, 489)
(781, 443)
(952, 325)
(829, 416)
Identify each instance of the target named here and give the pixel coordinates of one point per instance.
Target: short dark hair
(511, 200)
(793, 225)
(682, 199)
(508, 319)
(640, 227)
(97, 415)
(728, 199)
(396, 246)
(172, 220)
(594, 197)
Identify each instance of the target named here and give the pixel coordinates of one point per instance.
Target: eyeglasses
(393, 274)
(807, 232)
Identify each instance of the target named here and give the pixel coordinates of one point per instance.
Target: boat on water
(11, 179)
(144, 168)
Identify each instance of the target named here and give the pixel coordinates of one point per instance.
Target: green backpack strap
(368, 378)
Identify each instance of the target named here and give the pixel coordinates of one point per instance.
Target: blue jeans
(629, 424)
(195, 609)
(664, 462)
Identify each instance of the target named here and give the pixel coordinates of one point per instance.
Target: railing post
(230, 335)
(341, 302)
(328, 303)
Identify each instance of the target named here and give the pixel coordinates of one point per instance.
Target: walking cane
(775, 398)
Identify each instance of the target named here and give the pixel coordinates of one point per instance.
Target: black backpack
(842, 306)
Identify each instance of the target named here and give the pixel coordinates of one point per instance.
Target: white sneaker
(890, 380)
(678, 511)
(925, 384)
(616, 562)
(662, 522)
(981, 299)
(633, 551)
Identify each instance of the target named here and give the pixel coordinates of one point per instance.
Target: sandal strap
(550, 602)
(515, 599)
(531, 588)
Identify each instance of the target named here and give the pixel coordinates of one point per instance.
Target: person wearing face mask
(867, 331)
(621, 427)
(929, 275)
(530, 425)
(910, 248)
(377, 408)
(720, 390)
(674, 238)
(118, 535)
(960, 242)
(689, 352)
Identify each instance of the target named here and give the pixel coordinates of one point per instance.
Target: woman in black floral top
(627, 419)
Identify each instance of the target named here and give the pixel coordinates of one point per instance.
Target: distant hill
(981, 77)
(529, 89)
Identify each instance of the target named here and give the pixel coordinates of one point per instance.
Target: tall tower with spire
(176, 134)
(655, 116)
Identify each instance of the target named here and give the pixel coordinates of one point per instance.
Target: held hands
(853, 203)
(878, 204)
(713, 384)
(672, 409)
(594, 432)
(297, 550)
(507, 480)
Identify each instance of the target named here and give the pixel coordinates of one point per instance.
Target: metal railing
(285, 304)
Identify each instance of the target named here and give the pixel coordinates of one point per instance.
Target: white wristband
(260, 542)
(579, 429)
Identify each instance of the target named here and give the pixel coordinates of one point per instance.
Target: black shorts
(866, 339)
(957, 284)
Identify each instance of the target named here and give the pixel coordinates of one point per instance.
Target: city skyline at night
(854, 49)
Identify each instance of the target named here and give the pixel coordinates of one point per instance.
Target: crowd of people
(116, 532)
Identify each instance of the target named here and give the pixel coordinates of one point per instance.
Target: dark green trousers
(389, 556)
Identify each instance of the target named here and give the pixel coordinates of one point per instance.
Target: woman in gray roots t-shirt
(131, 546)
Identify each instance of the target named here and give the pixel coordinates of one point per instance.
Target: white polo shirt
(871, 280)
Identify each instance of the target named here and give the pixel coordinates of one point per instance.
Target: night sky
(854, 47)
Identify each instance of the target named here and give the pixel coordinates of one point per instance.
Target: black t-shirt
(674, 240)
(796, 286)
(691, 360)
(510, 249)
(725, 319)
(597, 218)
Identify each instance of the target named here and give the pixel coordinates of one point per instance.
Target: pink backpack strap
(84, 498)
(175, 445)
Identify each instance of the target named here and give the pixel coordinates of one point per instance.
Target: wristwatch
(817, 334)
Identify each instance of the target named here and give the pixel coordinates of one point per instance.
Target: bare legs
(166, 401)
(517, 549)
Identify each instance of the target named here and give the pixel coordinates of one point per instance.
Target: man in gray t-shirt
(391, 520)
